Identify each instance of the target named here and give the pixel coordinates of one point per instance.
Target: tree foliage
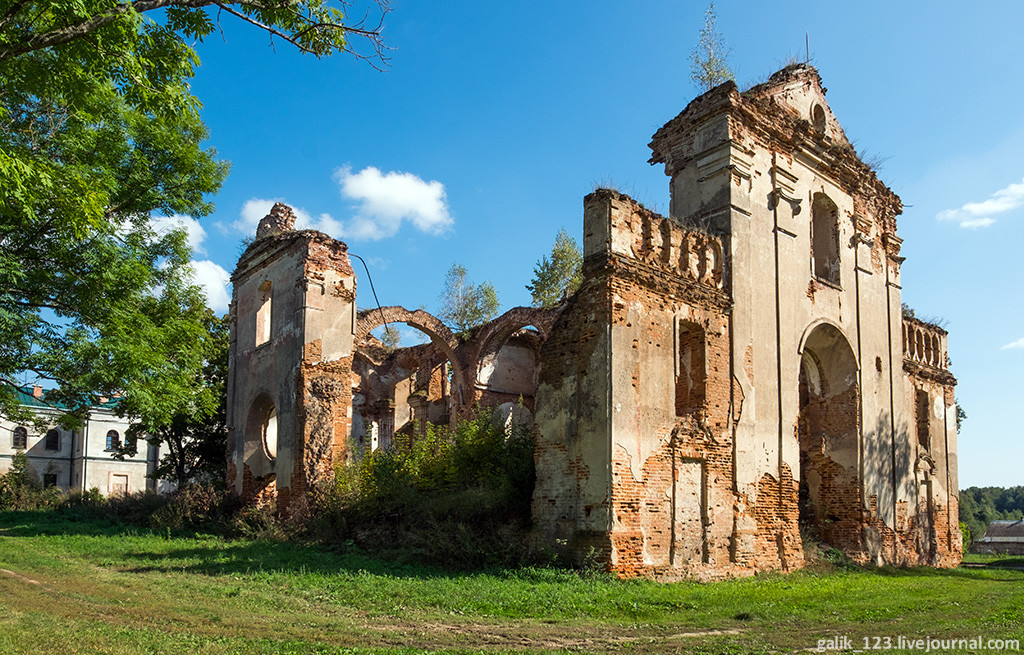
(195, 438)
(464, 304)
(98, 130)
(708, 66)
(979, 506)
(557, 277)
(317, 27)
(391, 338)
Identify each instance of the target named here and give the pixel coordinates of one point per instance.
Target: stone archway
(828, 430)
(440, 335)
(486, 352)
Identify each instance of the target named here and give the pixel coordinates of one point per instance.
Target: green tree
(979, 506)
(195, 438)
(391, 338)
(557, 277)
(708, 66)
(98, 129)
(464, 304)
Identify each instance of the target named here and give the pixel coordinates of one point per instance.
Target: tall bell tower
(289, 386)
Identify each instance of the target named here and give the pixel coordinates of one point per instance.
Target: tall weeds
(456, 498)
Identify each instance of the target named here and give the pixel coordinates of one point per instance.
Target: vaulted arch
(425, 322)
(828, 430)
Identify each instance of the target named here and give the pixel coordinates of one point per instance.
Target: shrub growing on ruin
(454, 497)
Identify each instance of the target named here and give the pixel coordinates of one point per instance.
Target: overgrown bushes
(456, 498)
(195, 507)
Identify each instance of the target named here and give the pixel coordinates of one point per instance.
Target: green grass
(94, 587)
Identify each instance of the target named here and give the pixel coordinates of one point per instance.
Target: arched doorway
(828, 429)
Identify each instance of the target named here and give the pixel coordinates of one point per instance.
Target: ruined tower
(289, 393)
(730, 383)
(743, 369)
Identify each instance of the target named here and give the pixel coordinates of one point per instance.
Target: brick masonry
(724, 385)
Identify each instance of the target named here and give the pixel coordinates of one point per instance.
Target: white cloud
(195, 231)
(976, 215)
(211, 277)
(975, 223)
(385, 200)
(255, 209)
(382, 202)
(214, 280)
(1014, 345)
(252, 211)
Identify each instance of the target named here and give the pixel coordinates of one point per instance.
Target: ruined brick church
(728, 380)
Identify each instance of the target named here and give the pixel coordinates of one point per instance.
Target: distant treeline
(979, 506)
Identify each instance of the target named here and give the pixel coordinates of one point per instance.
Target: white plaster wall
(271, 367)
(770, 259)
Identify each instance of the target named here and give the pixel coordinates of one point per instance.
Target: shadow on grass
(997, 562)
(33, 523)
(239, 556)
(960, 573)
(249, 556)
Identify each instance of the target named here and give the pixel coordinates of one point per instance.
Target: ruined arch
(828, 431)
(493, 334)
(425, 322)
(487, 343)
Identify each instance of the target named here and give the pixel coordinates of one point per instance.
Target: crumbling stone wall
(780, 254)
(623, 468)
(289, 391)
(729, 379)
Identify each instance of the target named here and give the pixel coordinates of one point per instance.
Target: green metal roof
(23, 395)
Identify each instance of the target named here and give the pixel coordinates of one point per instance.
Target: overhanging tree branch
(66, 34)
(69, 33)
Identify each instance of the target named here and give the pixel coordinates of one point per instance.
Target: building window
(818, 119)
(113, 440)
(53, 439)
(825, 239)
(19, 441)
(263, 313)
(691, 375)
(921, 409)
(118, 484)
(262, 425)
(49, 479)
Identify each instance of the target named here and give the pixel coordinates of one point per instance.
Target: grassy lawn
(92, 587)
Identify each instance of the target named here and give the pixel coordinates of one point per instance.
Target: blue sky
(494, 120)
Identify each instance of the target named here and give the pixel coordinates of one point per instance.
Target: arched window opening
(818, 119)
(19, 440)
(263, 313)
(921, 412)
(825, 239)
(261, 425)
(113, 440)
(53, 439)
(828, 436)
(691, 375)
(269, 431)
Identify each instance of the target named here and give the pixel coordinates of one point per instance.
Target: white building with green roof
(79, 459)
